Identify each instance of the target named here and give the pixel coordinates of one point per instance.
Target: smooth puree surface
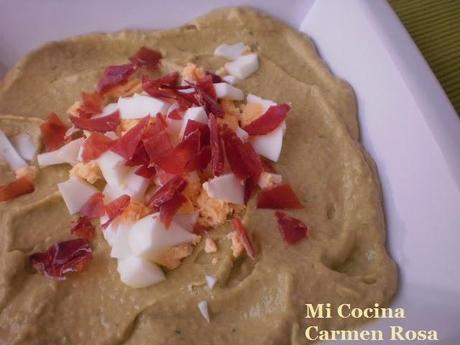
(261, 301)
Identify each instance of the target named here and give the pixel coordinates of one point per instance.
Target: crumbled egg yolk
(28, 171)
(251, 111)
(171, 258)
(88, 171)
(212, 212)
(134, 212)
(231, 114)
(192, 73)
(210, 245)
(237, 246)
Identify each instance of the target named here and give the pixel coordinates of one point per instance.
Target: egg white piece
(242, 134)
(231, 51)
(197, 114)
(139, 106)
(231, 79)
(131, 184)
(75, 193)
(110, 232)
(9, 153)
(69, 153)
(243, 66)
(227, 91)
(113, 168)
(186, 220)
(120, 242)
(225, 187)
(269, 145)
(210, 281)
(204, 311)
(265, 103)
(138, 273)
(149, 237)
(24, 145)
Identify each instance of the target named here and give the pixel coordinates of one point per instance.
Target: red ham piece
(250, 187)
(176, 114)
(53, 132)
(279, 197)
(244, 238)
(115, 208)
(243, 160)
(94, 207)
(267, 166)
(175, 162)
(292, 229)
(99, 124)
(92, 103)
(127, 144)
(115, 75)
(269, 121)
(63, 258)
(166, 88)
(83, 228)
(146, 171)
(156, 140)
(205, 95)
(193, 125)
(200, 161)
(217, 154)
(16, 188)
(94, 146)
(146, 57)
(170, 208)
(140, 156)
(167, 192)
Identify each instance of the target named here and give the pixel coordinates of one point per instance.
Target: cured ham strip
(270, 120)
(115, 208)
(94, 207)
(146, 57)
(292, 229)
(53, 132)
(63, 258)
(127, 144)
(94, 146)
(279, 197)
(115, 75)
(15, 189)
(217, 154)
(99, 124)
(244, 237)
(83, 228)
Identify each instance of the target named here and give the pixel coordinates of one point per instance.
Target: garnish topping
(145, 57)
(115, 208)
(270, 120)
(95, 145)
(292, 229)
(53, 132)
(244, 237)
(97, 124)
(279, 197)
(63, 258)
(15, 189)
(82, 228)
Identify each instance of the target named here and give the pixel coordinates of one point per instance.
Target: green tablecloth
(435, 27)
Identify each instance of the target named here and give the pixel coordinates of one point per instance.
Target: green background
(435, 27)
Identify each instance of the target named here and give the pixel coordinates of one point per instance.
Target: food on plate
(194, 186)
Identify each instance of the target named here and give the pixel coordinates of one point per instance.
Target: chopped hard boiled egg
(227, 91)
(268, 180)
(113, 168)
(75, 193)
(226, 188)
(231, 51)
(24, 145)
(139, 106)
(120, 242)
(203, 307)
(137, 272)
(270, 144)
(69, 153)
(149, 237)
(243, 66)
(9, 154)
(231, 79)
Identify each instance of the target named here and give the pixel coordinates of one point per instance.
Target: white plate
(407, 123)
